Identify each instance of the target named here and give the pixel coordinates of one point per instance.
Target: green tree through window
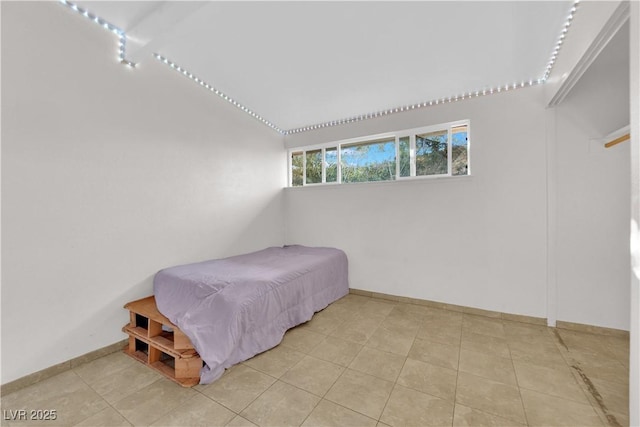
(431, 153)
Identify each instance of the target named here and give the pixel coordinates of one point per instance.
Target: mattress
(237, 307)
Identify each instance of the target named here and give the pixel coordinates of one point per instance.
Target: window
(459, 150)
(434, 151)
(297, 169)
(405, 156)
(368, 161)
(331, 164)
(431, 153)
(313, 167)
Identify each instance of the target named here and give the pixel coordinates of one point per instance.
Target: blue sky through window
(459, 139)
(369, 154)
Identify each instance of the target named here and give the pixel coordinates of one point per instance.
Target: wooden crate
(159, 344)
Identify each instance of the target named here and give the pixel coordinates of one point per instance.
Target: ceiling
(302, 63)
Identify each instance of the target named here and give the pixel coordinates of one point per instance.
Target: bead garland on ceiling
(563, 35)
(468, 95)
(206, 85)
(122, 37)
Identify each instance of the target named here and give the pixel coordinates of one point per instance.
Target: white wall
(108, 175)
(476, 241)
(593, 210)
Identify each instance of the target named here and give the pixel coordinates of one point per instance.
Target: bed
(234, 308)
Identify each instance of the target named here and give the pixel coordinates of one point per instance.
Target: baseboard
(599, 330)
(578, 327)
(59, 368)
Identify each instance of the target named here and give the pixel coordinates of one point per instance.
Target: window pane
(296, 169)
(459, 150)
(314, 167)
(369, 161)
(405, 157)
(431, 153)
(331, 164)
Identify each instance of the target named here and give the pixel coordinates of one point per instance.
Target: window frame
(397, 135)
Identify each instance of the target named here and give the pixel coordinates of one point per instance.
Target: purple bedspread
(237, 307)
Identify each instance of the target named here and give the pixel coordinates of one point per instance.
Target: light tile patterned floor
(366, 362)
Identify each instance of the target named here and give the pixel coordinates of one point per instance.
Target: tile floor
(365, 362)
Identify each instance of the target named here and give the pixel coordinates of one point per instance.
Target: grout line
(264, 391)
(105, 400)
(565, 354)
(110, 405)
(201, 391)
(559, 340)
(348, 367)
(611, 419)
(587, 387)
(352, 410)
(328, 389)
(393, 386)
(57, 369)
(213, 400)
(279, 379)
(171, 407)
(515, 374)
(455, 391)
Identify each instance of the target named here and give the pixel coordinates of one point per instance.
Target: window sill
(427, 180)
